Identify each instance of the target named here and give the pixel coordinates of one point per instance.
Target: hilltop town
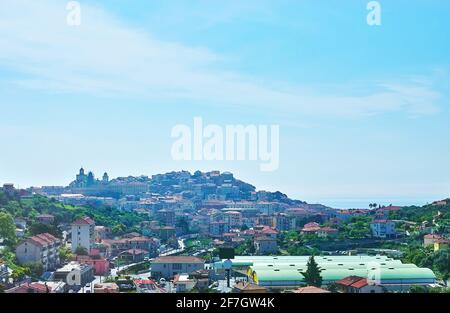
(210, 232)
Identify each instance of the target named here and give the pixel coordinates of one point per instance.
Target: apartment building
(42, 249)
(217, 229)
(169, 266)
(83, 233)
(265, 245)
(383, 229)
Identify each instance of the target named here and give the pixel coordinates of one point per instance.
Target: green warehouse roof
(286, 270)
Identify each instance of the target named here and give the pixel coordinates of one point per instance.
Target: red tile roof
(84, 221)
(43, 240)
(311, 229)
(144, 282)
(269, 230)
(349, 280)
(392, 208)
(328, 229)
(264, 238)
(136, 251)
(432, 236)
(353, 281)
(311, 225)
(381, 221)
(30, 287)
(360, 283)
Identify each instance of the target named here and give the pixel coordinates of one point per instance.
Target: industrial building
(282, 272)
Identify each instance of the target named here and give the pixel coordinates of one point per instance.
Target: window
(177, 266)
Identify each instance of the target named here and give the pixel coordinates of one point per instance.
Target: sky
(362, 110)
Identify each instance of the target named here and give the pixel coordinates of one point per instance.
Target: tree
(65, 254)
(418, 289)
(38, 228)
(312, 274)
(332, 288)
(3, 198)
(118, 229)
(35, 270)
(81, 251)
(7, 228)
(244, 227)
(183, 224)
(19, 273)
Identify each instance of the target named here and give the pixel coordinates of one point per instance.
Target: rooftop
(245, 286)
(84, 221)
(310, 289)
(43, 240)
(178, 259)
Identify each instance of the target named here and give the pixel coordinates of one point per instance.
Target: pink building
(100, 265)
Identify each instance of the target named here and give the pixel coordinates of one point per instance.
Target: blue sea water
(363, 203)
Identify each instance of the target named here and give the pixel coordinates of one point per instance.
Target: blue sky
(363, 111)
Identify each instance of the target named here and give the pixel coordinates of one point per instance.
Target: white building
(4, 272)
(168, 266)
(42, 249)
(383, 228)
(183, 283)
(217, 229)
(74, 274)
(83, 233)
(233, 218)
(265, 245)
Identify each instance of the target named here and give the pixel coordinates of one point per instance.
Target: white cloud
(105, 57)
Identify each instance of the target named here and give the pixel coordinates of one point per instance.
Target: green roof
(403, 273)
(329, 266)
(287, 269)
(263, 275)
(246, 261)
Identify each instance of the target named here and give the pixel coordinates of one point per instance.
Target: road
(181, 248)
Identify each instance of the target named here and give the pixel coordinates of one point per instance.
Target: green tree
(7, 229)
(81, 251)
(183, 224)
(118, 229)
(332, 288)
(38, 228)
(65, 254)
(3, 198)
(35, 270)
(312, 274)
(19, 273)
(418, 289)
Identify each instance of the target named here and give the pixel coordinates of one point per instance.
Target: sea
(363, 203)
